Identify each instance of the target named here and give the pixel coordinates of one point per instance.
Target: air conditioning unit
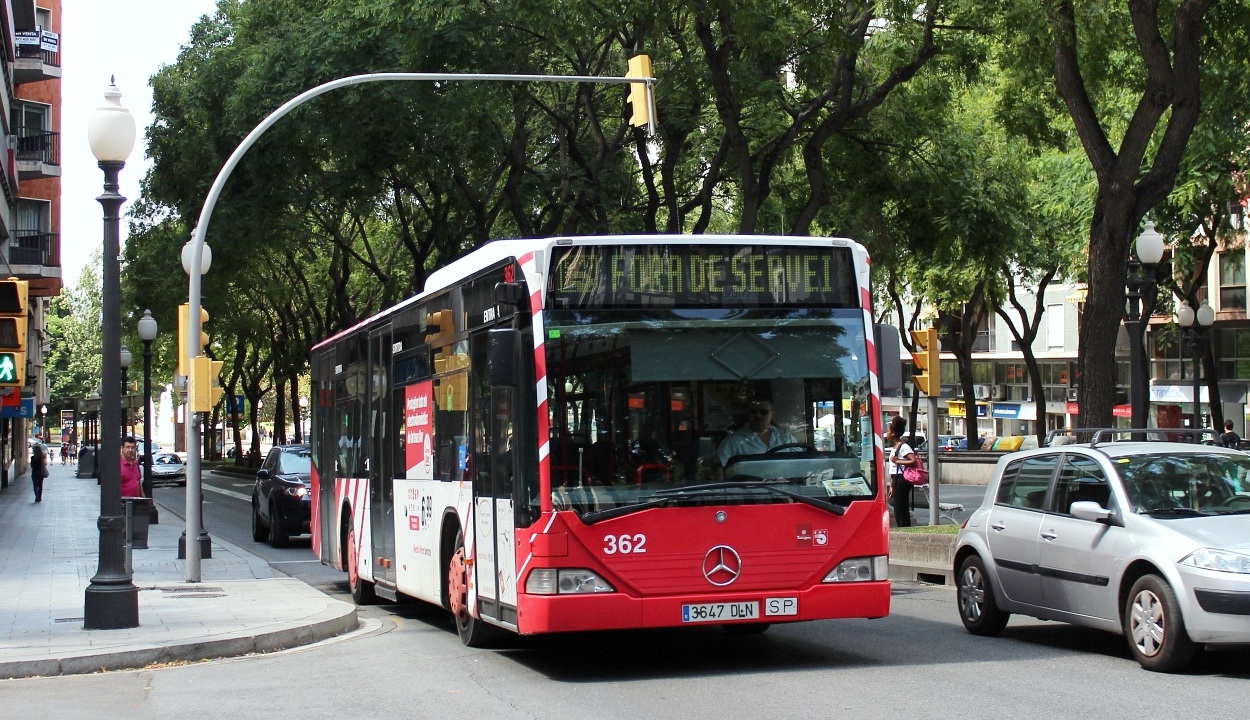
(981, 392)
(1072, 393)
(1000, 392)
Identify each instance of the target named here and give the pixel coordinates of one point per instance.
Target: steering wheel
(789, 446)
(1236, 501)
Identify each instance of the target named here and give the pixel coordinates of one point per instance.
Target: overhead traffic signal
(14, 294)
(184, 323)
(204, 384)
(925, 356)
(641, 98)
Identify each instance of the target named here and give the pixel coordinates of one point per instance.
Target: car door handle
(1050, 535)
(998, 526)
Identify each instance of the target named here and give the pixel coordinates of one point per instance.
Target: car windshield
(1186, 484)
(167, 459)
(295, 462)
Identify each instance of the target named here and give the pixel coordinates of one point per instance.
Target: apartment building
(30, 183)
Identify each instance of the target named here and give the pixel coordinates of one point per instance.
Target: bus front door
(382, 460)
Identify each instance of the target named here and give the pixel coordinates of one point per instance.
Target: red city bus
(612, 432)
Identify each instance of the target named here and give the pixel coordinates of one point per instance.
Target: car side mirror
(1090, 510)
(262, 474)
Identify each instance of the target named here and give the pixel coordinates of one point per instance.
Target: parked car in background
(168, 469)
(1149, 539)
(281, 502)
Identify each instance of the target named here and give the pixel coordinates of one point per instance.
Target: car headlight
(565, 581)
(295, 490)
(1219, 560)
(861, 569)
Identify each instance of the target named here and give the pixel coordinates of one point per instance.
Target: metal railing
(32, 247)
(37, 145)
(30, 52)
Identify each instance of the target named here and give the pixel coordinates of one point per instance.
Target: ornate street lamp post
(1194, 328)
(125, 358)
(147, 333)
(111, 600)
(1141, 291)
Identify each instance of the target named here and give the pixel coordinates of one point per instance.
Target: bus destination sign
(702, 276)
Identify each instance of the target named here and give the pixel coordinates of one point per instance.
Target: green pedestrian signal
(8, 368)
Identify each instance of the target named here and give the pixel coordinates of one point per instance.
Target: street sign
(25, 410)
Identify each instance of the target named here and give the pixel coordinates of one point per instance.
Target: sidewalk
(49, 553)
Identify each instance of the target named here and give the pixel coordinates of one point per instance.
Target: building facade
(30, 184)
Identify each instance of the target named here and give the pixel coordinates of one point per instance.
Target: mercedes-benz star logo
(721, 565)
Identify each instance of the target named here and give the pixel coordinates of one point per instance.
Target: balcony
(38, 153)
(32, 248)
(38, 57)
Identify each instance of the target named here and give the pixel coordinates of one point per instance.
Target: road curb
(331, 625)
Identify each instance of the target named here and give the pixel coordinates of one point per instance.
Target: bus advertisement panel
(598, 433)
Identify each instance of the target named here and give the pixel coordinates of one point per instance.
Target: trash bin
(137, 511)
(86, 462)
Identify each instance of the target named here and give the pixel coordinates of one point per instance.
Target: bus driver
(758, 435)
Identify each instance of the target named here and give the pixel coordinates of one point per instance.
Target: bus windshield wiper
(620, 510)
(771, 487)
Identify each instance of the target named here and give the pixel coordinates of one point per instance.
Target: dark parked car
(281, 503)
(168, 468)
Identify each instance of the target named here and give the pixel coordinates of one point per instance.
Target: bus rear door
(382, 462)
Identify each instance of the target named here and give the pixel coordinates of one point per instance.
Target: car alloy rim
(1147, 623)
(971, 594)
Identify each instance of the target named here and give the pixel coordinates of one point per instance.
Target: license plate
(720, 612)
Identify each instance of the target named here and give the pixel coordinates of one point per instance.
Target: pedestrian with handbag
(38, 467)
(901, 456)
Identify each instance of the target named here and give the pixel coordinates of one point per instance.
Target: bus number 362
(624, 544)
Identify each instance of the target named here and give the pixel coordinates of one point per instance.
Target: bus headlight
(565, 581)
(862, 569)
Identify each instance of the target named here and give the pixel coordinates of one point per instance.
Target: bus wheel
(741, 629)
(362, 590)
(473, 632)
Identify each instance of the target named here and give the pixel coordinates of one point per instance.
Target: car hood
(295, 478)
(1229, 532)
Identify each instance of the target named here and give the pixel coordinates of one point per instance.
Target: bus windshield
(708, 406)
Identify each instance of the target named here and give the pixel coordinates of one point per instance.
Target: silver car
(1147, 539)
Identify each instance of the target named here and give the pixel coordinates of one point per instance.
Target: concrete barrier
(967, 468)
(922, 557)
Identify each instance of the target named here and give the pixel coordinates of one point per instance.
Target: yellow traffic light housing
(204, 384)
(14, 296)
(184, 322)
(925, 356)
(641, 97)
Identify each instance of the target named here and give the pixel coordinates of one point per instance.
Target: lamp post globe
(1141, 285)
(111, 599)
(188, 253)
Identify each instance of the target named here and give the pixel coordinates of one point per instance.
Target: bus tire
(361, 589)
(473, 632)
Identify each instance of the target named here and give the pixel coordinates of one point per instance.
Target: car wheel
(977, 608)
(362, 590)
(259, 532)
(277, 534)
(1154, 626)
(473, 632)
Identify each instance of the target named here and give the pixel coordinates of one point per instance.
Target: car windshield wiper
(621, 510)
(1173, 512)
(770, 487)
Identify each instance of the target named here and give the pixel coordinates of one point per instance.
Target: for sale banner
(418, 431)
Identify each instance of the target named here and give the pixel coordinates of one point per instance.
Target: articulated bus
(556, 435)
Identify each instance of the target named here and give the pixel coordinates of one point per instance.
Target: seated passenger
(757, 435)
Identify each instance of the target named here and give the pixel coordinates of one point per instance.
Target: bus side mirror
(501, 355)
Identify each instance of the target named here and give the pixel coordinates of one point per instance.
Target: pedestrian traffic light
(204, 384)
(641, 98)
(925, 356)
(184, 323)
(13, 314)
